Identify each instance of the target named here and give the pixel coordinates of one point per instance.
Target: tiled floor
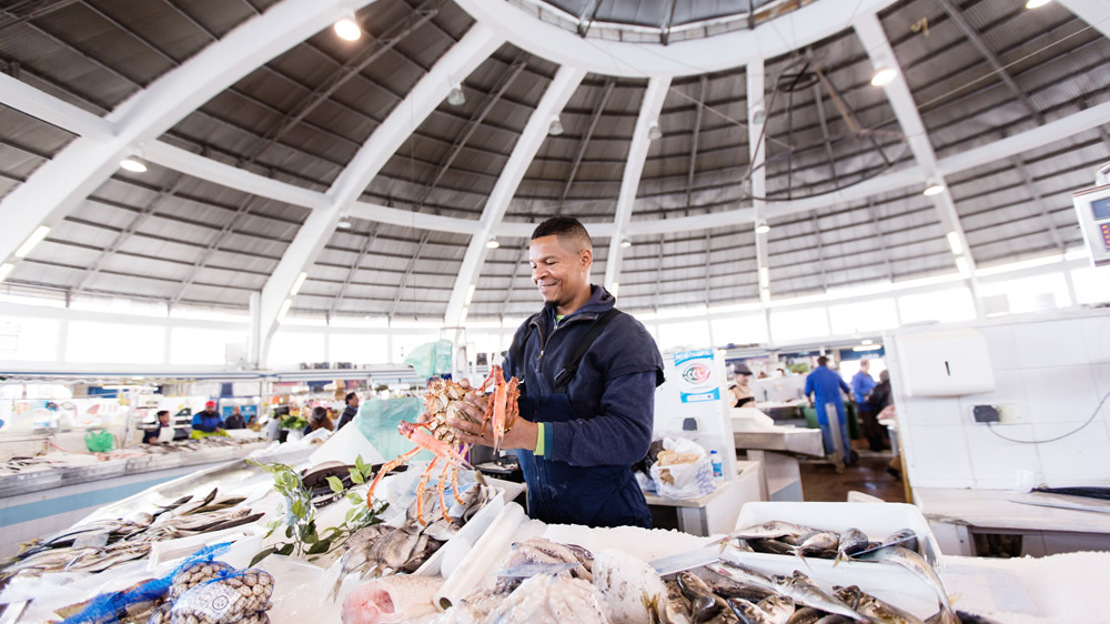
(820, 481)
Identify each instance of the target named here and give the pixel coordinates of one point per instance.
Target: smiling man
(587, 401)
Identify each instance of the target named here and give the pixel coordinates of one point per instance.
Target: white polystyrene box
(877, 520)
(948, 363)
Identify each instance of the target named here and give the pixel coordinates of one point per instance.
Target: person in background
(577, 438)
(762, 375)
(862, 384)
(740, 391)
(825, 384)
(150, 436)
(319, 420)
(206, 423)
(350, 411)
(235, 421)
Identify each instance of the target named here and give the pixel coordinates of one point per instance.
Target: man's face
(354, 401)
(560, 269)
(865, 366)
(235, 411)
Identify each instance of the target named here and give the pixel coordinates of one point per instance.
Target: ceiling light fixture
(298, 283)
(344, 223)
(6, 270)
(347, 27)
(654, 131)
(883, 76)
(492, 243)
(764, 277)
(34, 239)
(758, 114)
(132, 163)
(867, 347)
(933, 189)
(962, 266)
(762, 227)
(1036, 4)
(955, 243)
(456, 97)
(626, 242)
(556, 127)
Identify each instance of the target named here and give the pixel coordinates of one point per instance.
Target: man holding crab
(587, 397)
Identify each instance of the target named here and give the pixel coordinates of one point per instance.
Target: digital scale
(1092, 206)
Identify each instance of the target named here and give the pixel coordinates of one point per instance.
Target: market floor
(820, 481)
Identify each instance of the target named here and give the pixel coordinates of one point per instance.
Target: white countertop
(999, 509)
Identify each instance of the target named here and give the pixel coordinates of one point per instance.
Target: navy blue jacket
(613, 393)
(206, 421)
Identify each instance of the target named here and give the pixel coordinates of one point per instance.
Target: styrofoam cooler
(878, 520)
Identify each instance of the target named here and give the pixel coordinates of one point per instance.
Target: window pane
(115, 343)
(740, 330)
(795, 324)
(1092, 285)
(945, 305)
(196, 345)
(865, 316)
(683, 335)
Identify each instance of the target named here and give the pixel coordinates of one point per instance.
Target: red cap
(210, 404)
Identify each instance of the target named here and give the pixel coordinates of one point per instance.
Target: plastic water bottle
(715, 459)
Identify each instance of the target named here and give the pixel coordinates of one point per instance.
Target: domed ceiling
(383, 168)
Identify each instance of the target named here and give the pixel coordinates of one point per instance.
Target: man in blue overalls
(826, 384)
(585, 416)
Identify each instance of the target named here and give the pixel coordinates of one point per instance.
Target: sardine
(747, 612)
(740, 574)
(873, 608)
(771, 546)
(802, 590)
(357, 554)
(821, 542)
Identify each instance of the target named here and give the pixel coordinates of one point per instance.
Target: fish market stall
(39, 495)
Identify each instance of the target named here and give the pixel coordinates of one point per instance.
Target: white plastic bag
(684, 480)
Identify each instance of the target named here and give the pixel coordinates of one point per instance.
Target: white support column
(633, 168)
(870, 32)
(757, 155)
(61, 184)
(254, 331)
(456, 64)
(535, 132)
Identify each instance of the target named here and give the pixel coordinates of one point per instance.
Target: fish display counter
(52, 491)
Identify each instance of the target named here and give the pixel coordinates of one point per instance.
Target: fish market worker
(206, 423)
(580, 429)
(825, 384)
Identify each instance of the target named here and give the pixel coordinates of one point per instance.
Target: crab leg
(442, 485)
(420, 490)
(438, 447)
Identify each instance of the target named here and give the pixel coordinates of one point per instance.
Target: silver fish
(851, 542)
(704, 604)
(740, 574)
(802, 590)
(817, 543)
(357, 554)
(747, 612)
(873, 608)
(768, 530)
(108, 557)
(914, 563)
(805, 615)
(778, 608)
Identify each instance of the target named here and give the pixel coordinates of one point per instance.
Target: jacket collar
(600, 302)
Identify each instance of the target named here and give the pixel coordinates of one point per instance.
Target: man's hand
(469, 430)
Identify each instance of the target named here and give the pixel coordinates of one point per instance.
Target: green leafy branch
(300, 515)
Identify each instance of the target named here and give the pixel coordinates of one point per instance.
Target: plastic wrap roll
(477, 568)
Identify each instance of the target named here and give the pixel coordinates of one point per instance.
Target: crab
(434, 434)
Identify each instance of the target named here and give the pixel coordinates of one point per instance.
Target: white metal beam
(23, 97)
(757, 154)
(424, 97)
(1094, 12)
(59, 185)
(870, 32)
(775, 37)
(633, 168)
(554, 99)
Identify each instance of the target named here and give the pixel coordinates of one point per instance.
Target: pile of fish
(786, 538)
(99, 545)
(50, 461)
(381, 550)
(568, 583)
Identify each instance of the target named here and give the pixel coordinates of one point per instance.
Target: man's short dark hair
(821, 361)
(564, 227)
(160, 412)
(350, 395)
